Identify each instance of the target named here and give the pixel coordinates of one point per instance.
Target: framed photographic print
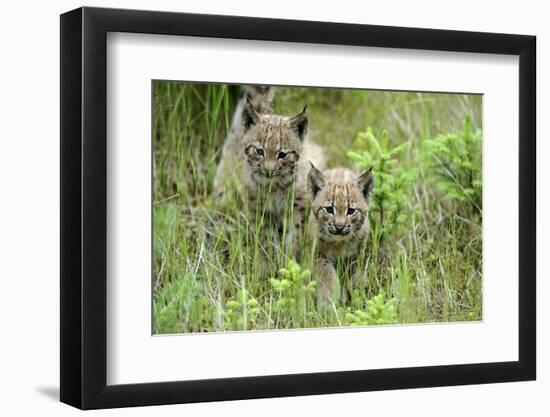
(257, 208)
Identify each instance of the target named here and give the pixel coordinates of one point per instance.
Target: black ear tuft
(315, 181)
(365, 182)
(299, 124)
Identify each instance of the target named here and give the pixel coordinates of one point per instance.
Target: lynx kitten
(339, 221)
(272, 163)
(261, 97)
(277, 156)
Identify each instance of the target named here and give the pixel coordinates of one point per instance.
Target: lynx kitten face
(339, 221)
(340, 203)
(272, 145)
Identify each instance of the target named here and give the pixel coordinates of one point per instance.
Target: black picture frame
(84, 207)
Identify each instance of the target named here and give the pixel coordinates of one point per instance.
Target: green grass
(212, 273)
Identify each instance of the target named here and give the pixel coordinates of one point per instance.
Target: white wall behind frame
(29, 240)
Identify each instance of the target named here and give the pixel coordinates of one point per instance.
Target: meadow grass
(211, 270)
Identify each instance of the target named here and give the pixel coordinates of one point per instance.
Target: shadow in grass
(50, 392)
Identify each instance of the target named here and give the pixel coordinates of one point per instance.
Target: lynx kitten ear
(315, 181)
(365, 183)
(251, 116)
(299, 124)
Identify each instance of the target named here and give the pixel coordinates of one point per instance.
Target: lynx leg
(327, 280)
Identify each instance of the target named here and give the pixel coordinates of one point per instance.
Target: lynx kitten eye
(329, 209)
(260, 151)
(282, 155)
(351, 211)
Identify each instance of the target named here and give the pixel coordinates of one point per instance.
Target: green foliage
(180, 295)
(213, 272)
(455, 159)
(378, 312)
(294, 293)
(240, 313)
(390, 207)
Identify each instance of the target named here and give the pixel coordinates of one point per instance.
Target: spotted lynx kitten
(276, 158)
(339, 220)
(270, 163)
(261, 97)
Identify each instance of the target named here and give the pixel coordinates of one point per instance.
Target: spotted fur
(270, 162)
(261, 97)
(339, 220)
(276, 159)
